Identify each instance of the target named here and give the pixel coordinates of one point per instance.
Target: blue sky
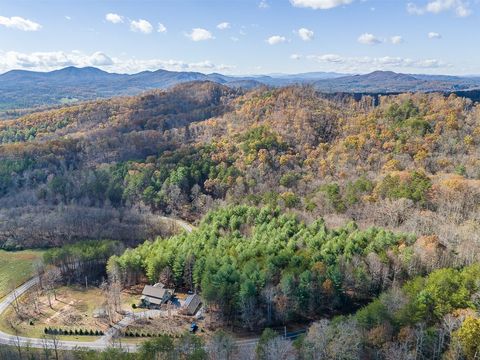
(242, 36)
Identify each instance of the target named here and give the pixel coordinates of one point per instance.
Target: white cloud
(47, 61)
(141, 25)
(234, 39)
(397, 39)
(19, 23)
(305, 34)
(263, 4)
(327, 58)
(368, 39)
(68, 17)
(459, 7)
(295, 57)
(161, 28)
(199, 34)
(223, 26)
(320, 4)
(276, 39)
(100, 59)
(434, 35)
(51, 60)
(334, 62)
(414, 9)
(114, 18)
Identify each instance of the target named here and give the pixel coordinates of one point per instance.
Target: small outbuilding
(156, 295)
(192, 303)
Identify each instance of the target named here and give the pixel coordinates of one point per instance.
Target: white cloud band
(47, 61)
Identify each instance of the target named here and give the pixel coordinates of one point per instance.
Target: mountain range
(21, 89)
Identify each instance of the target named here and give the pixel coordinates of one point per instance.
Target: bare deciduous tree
(279, 349)
(221, 347)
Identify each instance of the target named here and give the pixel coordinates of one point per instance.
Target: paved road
(182, 224)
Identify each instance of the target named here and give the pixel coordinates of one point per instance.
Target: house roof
(191, 303)
(154, 292)
(152, 300)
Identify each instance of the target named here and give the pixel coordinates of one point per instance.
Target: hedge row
(50, 331)
(137, 334)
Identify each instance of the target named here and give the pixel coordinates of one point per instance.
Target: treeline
(83, 261)
(433, 317)
(36, 225)
(259, 267)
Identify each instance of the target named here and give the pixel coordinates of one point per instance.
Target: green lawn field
(16, 267)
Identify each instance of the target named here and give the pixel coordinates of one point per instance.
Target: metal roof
(154, 292)
(191, 303)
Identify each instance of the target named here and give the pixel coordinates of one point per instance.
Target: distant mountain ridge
(391, 82)
(26, 89)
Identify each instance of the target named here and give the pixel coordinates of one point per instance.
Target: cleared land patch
(73, 309)
(16, 267)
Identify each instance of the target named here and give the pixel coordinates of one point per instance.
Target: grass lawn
(16, 267)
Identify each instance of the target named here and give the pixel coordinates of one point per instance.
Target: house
(156, 295)
(192, 304)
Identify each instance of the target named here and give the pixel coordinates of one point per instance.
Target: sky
(240, 37)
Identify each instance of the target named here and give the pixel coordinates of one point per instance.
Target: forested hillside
(261, 267)
(410, 164)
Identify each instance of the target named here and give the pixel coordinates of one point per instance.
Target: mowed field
(16, 267)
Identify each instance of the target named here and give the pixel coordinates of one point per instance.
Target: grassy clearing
(16, 267)
(73, 309)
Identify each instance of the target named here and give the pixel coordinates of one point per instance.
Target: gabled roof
(191, 303)
(154, 292)
(152, 300)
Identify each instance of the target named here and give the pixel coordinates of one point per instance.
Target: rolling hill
(20, 89)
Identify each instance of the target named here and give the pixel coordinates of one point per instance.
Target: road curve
(180, 223)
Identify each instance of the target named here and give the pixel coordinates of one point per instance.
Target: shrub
(415, 187)
(289, 179)
(334, 198)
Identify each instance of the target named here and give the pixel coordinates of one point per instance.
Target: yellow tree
(469, 337)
